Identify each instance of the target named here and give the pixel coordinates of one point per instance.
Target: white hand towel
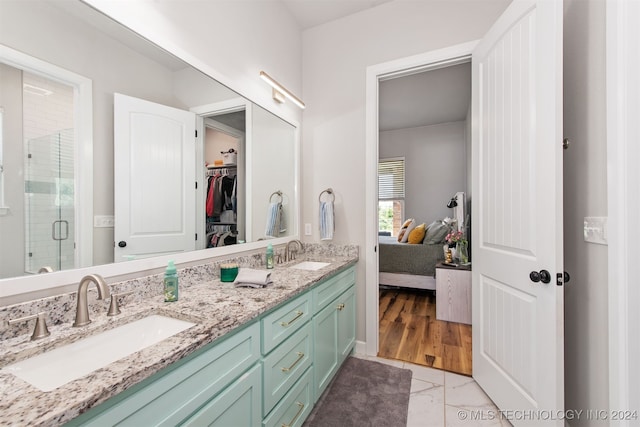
(252, 278)
(327, 225)
(273, 220)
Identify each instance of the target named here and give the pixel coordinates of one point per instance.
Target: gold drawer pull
(340, 307)
(298, 314)
(300, 356)
(301, 405)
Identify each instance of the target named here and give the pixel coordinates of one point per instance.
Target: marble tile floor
(440, 398)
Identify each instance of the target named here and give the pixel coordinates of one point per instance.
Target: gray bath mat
(364, 393)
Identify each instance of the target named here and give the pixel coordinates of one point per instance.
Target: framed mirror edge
(26, 288)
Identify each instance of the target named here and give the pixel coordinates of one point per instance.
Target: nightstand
(453, 293)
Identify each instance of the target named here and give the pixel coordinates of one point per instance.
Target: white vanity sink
(310, 265)
(57, 367)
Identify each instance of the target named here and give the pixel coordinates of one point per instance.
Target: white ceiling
(309, 13)
(426, 98)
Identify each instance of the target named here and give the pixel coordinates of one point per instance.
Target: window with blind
(390, 195)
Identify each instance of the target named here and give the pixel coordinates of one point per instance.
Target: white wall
(269, 169)
(435, 167)
(229, 40)
(335, 58)
(585, 194)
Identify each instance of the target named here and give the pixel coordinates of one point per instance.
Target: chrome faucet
(289, 254)
(82, 309)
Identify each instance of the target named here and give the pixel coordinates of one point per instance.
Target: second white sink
(310, 265)
(59, 366)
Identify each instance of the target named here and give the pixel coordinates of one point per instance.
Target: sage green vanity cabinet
(333, 328)
(268, 373)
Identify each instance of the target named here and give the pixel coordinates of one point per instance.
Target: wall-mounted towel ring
(329, 191)
(276, 193)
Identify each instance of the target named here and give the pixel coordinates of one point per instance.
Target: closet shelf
(222, 167)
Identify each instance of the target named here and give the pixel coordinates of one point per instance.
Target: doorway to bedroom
(423, 187)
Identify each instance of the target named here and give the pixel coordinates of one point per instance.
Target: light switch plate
(307, 229)
(104, 221)
(595, 230)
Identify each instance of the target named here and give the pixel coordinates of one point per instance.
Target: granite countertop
(217, 308)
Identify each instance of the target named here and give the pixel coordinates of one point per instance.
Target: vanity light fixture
(280, 92)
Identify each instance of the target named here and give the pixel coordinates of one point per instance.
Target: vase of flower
(457, 240)
(462, 251)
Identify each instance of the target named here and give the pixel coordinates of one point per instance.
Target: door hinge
(565, 143)
(196, 185)
(196, 133)
(196, 236)
(29, 156)
(375, 249)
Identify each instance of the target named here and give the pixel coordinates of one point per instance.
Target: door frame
(431, 60)
(83, 144)
(623, 154)
(209, 111)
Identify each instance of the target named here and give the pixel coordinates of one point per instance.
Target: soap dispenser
(170, 283)
(269, 256)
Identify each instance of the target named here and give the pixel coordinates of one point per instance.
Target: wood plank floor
(410, 332)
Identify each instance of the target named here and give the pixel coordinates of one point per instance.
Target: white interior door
(154, 169)
(518, 329)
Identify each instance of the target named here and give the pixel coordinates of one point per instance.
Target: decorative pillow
(405, 236)
(417, 234)
(436, 232)
(404, 229)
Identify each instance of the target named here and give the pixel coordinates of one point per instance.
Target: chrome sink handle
(40, 330)
(82, 309)
(114, 308)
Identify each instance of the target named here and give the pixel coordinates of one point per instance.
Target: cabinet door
(238, 405)
(325, 353)
(346, 306)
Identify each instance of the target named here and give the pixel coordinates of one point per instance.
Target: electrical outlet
(307, 229)
(104, 221)
(595, 230)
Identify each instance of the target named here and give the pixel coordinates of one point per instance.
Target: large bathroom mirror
(64, 69)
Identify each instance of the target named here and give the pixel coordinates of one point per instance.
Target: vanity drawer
(284, 365)
(281, 323)
(296, 406)
(328, 291)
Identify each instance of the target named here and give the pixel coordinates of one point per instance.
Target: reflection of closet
(224, 179)
(222, 205)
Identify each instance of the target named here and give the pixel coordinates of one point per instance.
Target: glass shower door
(49, 200)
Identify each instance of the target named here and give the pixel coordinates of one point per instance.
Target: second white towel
(327, 221)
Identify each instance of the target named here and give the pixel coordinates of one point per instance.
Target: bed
(408, 265)
(413, 265)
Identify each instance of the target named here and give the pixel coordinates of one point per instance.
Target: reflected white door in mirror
(154, 181)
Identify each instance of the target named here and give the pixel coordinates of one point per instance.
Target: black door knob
(122, 243)
(566, 277)
(545, 276)
(542, 276)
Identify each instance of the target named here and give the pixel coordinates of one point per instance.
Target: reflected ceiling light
(280, 92)
(36, 90)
